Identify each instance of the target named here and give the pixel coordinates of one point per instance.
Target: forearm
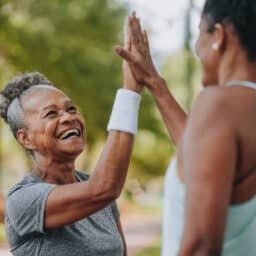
(111, 169)
(173, 115)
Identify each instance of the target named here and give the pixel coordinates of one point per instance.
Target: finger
(139, 30)
(123, 53)
(136, 32)
(138, 25)
(130, 46)
(131, 29)
(145, 38)
(129, 24)
(127, 38)
(136, 21)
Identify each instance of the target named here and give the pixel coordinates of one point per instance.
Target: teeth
(69, 133)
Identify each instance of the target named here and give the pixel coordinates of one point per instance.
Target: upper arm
(25, 207)
(208, 155)
(36, 206)
(67, 204)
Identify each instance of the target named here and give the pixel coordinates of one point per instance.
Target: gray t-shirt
(93, 236)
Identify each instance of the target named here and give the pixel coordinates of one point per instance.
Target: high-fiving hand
(128, 79)
(137, 53)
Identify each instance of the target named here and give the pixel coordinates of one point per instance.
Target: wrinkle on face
(42, 130)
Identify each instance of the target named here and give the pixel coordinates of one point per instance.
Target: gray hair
(15, 116)
(10, 98)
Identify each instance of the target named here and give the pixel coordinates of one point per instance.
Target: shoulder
(213, 98)
(213, 105)
(26, 181)
(30, 188)
(213, 114)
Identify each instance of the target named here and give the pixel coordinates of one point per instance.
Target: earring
(215, 46)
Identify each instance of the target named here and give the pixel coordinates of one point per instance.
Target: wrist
(124, 116)
(158, 84)
(136, 88)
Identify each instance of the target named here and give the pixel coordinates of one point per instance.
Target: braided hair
(10, 105)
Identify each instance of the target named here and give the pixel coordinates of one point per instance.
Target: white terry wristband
(125, 112)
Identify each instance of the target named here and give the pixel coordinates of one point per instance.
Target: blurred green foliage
(71, 43)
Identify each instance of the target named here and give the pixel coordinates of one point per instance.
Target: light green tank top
(240, 234)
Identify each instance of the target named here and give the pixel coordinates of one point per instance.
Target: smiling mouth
(70, 133)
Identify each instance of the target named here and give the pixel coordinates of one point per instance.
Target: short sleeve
(115, 211)
(25, 207)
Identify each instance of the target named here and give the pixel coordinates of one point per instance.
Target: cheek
(202, 51)
(82, 122)
(44, 136)
(209, 64)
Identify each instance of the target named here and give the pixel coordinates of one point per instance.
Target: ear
(219, 35)
(23, 139)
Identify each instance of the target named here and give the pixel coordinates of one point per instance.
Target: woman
(57, 210)
(213, 197)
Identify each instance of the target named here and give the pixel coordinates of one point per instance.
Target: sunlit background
(71, 42)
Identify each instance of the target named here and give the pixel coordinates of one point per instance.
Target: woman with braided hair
(57, 210)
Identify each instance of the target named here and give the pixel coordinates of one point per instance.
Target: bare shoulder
(213, 104)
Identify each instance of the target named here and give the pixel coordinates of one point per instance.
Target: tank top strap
(241, 83)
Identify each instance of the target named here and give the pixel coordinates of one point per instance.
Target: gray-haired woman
(57, 210)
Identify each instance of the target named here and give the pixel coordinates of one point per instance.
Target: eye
(72, 109)
(51, 113)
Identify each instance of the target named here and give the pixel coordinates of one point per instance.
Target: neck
(237, 67)
(55, 172)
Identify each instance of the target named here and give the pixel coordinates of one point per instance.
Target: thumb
(123, 53)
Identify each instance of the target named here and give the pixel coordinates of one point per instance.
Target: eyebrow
(49, 106)
(68, 102)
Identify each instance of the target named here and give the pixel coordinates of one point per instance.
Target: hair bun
(17, 86)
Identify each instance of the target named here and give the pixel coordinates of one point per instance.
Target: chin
(70, 154)
(71, 150)
(75, 149)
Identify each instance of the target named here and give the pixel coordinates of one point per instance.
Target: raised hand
(138, 53)
(128, 80)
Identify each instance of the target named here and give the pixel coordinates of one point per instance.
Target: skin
(48, 113)
(217, 143)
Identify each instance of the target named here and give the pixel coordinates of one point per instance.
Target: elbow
(113, 192)
(106, 192)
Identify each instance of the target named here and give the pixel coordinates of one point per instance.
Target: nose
(67, 117)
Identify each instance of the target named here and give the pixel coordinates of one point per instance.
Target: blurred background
(71, 42)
